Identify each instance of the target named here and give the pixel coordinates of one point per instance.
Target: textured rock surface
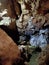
(9, 52)
(28, 7)
(14, 8)
(43, 7)
(44, 56)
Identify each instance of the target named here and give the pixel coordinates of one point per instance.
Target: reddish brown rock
(14, 8)
(44, 57)
(43, 7)
(9, 52)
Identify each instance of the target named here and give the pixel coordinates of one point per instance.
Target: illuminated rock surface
(9, 51)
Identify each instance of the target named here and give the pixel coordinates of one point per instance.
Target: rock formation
(11, 31)
(9, 52)
(14, 8)
(43, 7)
(44, 56)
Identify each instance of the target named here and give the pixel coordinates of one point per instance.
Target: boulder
(9, 52)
